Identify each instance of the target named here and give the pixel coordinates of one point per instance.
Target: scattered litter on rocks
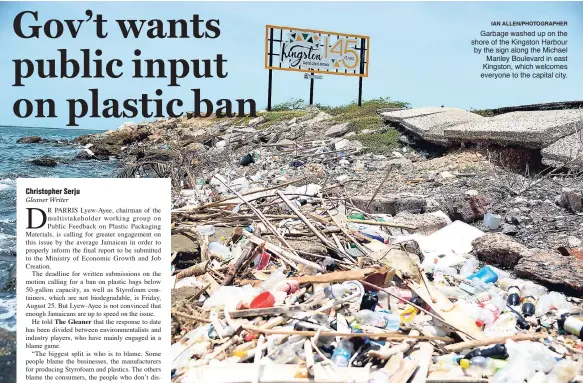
(307, 247)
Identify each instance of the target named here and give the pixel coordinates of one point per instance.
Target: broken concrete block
(391, 204)
(256, 121)
(555, 271)
(338, 130)
(426, 223)
(430, 122)
(499, 250)
(567, 151)
(536, 129)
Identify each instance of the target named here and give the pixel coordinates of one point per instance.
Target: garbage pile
(284, 280)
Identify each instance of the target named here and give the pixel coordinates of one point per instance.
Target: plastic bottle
(369, 301)
(514, 295)
(205, 229)
(335, 291)
(505, 325)
(479, 366)
(469, 267)
(563, 372)
(543, 305)
(217, 248)
(447, 359)
(342, 353)
(273, 280)
(379, 319)
(552, 300)
(359, 165)
(496, 351)
(571, 324)
(528, 306)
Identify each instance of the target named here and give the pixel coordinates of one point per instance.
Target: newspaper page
(291, 192)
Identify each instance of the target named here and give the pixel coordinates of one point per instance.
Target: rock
(29, 140)
(130, 125)
(509, 229)
(7, 356)
(85, 155)
(257, 121)
(446, 175)
(466, 208)
(426, 223)
(574, 242)
(571, 199)
(309, 247)
(44, 161)
(350, 134)
(338, 130)
(391, 204)
(555, 271)
(499, 250)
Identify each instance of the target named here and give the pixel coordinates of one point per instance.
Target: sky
(420, 53)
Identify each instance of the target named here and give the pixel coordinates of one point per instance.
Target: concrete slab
(429, 122)
(535, 129)
(566, 151)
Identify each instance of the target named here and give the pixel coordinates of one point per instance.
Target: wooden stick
(191, 317)
(378, 187)
(181, 210)
(337, 276)
(381, 335)
(238, 265)
(376, 223)
(423, 355)
(193, 271)
(386, 352)
(306, 221)
(485, 342)
(281, 252)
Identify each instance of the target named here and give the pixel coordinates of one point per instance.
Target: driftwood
(193, 271)
(457, 347)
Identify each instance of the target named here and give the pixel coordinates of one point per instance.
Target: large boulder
(499, 250)
(557, 272)
(45, 161)
(29, 140)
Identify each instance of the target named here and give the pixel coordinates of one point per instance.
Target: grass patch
(365, 116)
(379, 143)
(279, 116)
(483, 112)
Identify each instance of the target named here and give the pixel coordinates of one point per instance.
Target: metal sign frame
(362, 45)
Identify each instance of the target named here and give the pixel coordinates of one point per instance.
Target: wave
(8, 311)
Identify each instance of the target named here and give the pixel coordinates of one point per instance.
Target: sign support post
(270, 79)
(362, 54)
(312, 89)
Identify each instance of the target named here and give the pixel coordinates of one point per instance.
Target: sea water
(14, 163)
